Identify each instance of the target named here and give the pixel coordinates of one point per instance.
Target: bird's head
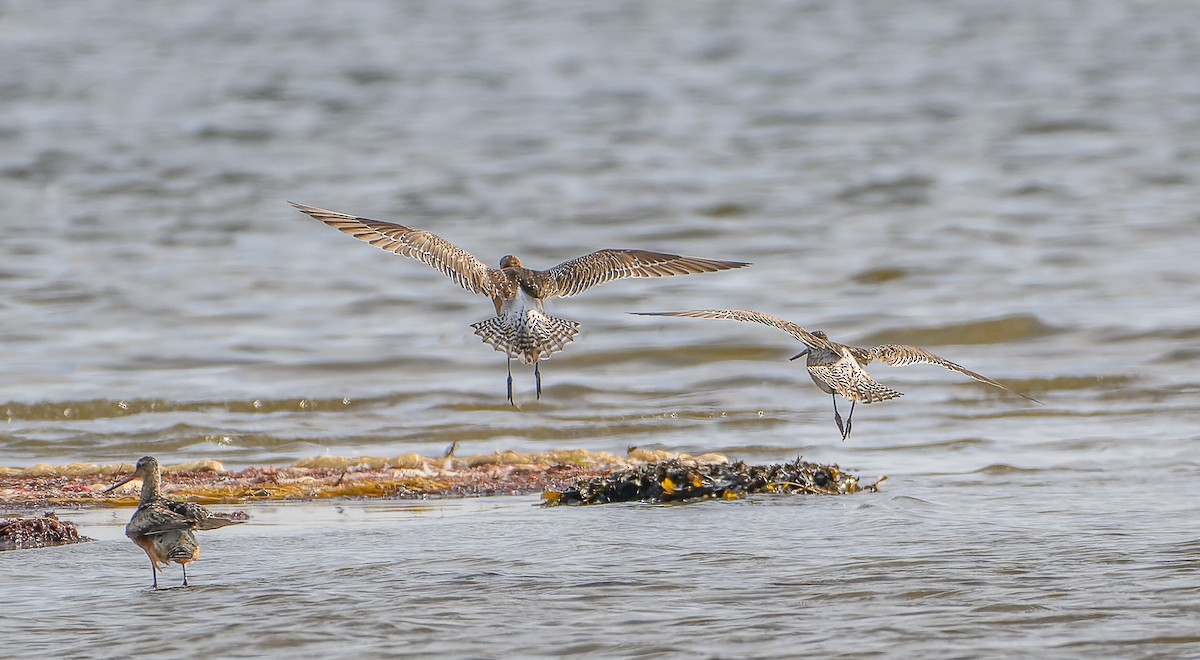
(509, 261)
(146, 466)
(819, 334)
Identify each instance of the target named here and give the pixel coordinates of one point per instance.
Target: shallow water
(1013, 187)
(947, 568)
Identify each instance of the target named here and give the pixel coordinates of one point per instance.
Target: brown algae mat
(564, 477)
(37, 532)
(685, 481)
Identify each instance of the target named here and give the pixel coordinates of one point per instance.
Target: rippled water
(1013, 187)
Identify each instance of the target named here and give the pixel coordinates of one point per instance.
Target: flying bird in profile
(521, 328)
(838, 369)
(162, 527)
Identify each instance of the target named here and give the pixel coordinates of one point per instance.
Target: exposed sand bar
(325, 477)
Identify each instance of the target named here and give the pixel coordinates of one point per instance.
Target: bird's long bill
(120, 483)
(799, 355)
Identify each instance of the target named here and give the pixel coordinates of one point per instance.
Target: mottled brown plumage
(838, 369)
(521, 328)
(163, 528)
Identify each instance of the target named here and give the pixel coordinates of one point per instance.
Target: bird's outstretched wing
(454, 262)
(900, 355)
(582, 273)
(809, 339)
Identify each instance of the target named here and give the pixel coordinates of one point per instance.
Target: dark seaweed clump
(40, 532)
(679, 481)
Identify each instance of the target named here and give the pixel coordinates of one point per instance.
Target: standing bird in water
(521, 328)
(837, 369)
(163, 528)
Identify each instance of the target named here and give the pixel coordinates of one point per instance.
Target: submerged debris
(39, 532)
(678, 481)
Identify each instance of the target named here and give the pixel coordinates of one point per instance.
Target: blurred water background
(1013, 186)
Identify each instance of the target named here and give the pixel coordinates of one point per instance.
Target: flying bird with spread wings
(521, 329)
(838, 369)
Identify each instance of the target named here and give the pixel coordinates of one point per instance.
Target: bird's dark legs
(154, 575)
(837, 417)
(537, 377)
(510, 399)
(849, 421)
(184, 574)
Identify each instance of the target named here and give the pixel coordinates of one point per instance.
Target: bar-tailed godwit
(521, 328)
(838, 369)
(162, 527)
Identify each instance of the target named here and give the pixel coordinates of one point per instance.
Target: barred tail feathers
(178, 546)
(874, 392)
(528, 336)
(848, 379)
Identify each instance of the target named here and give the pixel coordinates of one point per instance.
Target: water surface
(1013, 187)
